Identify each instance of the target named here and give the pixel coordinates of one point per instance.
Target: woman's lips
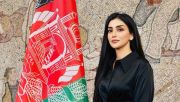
(114, 41)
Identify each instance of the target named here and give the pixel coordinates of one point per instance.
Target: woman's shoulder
(143, 63)
(142, 60)
(139, 59)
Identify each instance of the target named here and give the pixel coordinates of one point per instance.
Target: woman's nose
(114, 33)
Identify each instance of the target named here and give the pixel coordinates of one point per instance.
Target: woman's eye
(120, 29)
(109, 31)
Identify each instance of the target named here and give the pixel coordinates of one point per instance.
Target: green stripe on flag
(69, 94)
(74, 92)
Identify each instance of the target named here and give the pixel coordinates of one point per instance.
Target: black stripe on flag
(42, 2)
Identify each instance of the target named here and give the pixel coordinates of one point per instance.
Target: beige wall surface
(159, 27)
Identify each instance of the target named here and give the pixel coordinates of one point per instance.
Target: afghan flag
(53, 68)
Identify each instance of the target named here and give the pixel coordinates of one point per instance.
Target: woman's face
(118, 34)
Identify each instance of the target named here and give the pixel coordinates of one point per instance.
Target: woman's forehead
(116, 23)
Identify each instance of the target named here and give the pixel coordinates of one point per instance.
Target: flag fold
(53, 68)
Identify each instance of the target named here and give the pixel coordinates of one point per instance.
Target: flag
(53, 68)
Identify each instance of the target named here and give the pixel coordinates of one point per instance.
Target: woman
(123, 74)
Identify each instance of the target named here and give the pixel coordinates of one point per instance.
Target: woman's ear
(131, 37)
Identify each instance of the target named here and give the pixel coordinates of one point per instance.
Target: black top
(131, 80)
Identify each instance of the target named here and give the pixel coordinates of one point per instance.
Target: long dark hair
(108, 53)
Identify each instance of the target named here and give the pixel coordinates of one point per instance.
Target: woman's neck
(122, 52)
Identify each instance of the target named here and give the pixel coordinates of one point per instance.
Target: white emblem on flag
(42, 16)
(70, 72)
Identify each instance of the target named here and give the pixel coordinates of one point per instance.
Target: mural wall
(159, 27)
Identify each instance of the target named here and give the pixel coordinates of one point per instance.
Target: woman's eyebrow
(119, 26)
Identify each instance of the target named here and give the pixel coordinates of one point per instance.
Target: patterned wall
(159, 26)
